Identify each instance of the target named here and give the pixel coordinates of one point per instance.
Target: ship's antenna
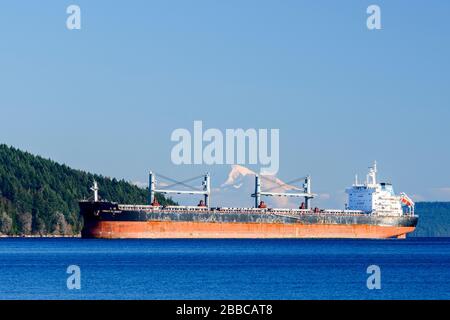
(356, 179)
(95, 189)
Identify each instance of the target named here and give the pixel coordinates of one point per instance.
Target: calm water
(224, 269)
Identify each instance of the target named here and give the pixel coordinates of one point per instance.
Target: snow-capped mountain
(240, 184)
(236, 175)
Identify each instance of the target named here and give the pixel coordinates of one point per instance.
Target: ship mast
(95, 189)
(308, 195)
(206, 188)
(372, 175)
(257, 193)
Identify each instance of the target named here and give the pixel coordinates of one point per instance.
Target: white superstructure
(377, 198)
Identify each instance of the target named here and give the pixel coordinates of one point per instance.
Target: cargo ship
(373, 211)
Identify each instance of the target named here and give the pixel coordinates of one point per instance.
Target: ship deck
(225, 210)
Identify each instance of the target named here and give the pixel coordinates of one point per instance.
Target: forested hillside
(39, 196)
(434, 219)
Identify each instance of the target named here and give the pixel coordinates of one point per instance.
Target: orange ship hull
(193, 229)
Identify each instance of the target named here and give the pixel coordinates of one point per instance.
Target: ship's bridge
(387, 187)
(373, 197)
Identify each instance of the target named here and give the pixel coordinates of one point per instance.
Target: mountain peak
(236, 173)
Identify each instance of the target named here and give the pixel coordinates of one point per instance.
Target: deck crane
(205, 190)
(305, 194)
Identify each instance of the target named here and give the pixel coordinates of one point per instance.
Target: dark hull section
(105, 220)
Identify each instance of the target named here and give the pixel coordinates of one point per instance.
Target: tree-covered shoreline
(434, 219)
(40, 196)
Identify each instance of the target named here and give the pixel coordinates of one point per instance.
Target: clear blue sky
(107, 97)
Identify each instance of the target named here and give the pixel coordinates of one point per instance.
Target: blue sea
(415, 268)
